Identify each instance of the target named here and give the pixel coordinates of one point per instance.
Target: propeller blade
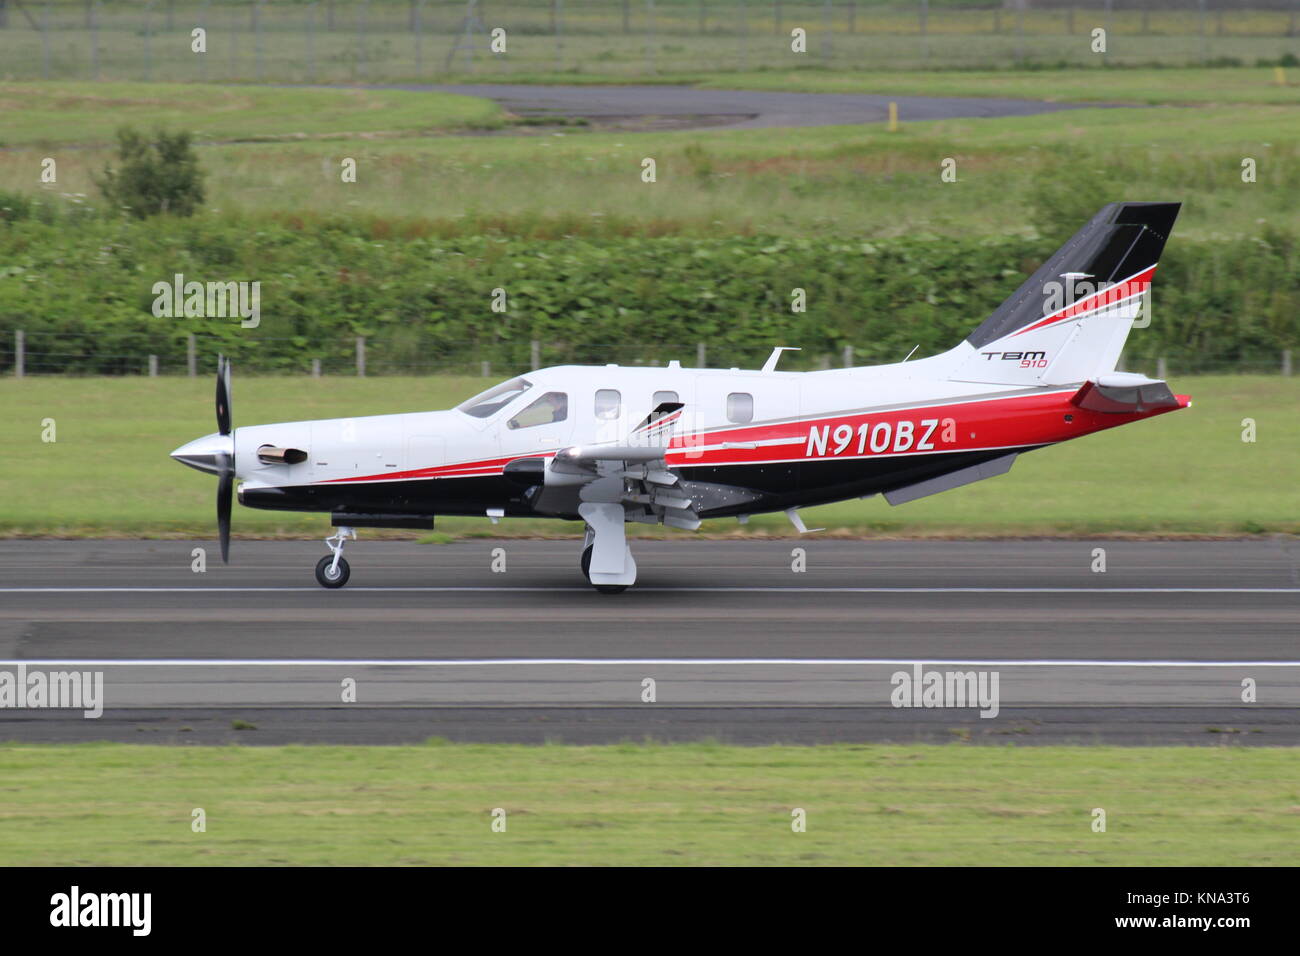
(223, 395)
(225, 491)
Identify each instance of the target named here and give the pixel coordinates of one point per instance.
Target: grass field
(856, 181)
(51, 114)
(699, 804)
(1137, 86)
(108, 472)
(388, 42)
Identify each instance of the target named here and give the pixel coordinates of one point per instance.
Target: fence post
(363, 26)
(19, 353)
(315, 368)
(485, 368)
(1204, 42)
(848, 356)
(1105, 53)
(94, 39)
(558, 24)
(311, 42)
(257, 37)
(148, 46)
(744, 35)
(1020, 32)
(153, 366)
(361, 356)
(416, 27)
(827, 50)
(701, 355)
(535, 355)
(925, 35)
(191, 356)
(1286, 362)
(650, 35)
(853, 16)
(1162, 368)
(776, 17)
(45, 41)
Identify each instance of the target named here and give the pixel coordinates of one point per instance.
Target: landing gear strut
(332, 571)
(606, 559)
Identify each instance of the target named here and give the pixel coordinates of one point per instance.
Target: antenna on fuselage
(913, 352)
(770, 364)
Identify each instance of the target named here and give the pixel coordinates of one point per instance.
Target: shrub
(155, 176)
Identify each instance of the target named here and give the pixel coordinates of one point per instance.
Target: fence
(411, 41)
(43, 354)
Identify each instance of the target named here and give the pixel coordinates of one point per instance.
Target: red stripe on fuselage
(1016, 421)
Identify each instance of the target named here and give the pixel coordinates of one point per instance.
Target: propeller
(225, 462)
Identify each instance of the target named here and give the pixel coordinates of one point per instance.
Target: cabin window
(551, 407)
(608, 404)
(485, 404)
(740, 407)
(661, 397)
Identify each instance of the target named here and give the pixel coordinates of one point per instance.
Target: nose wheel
(332, 571)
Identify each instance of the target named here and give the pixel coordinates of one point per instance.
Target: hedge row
(81, 288)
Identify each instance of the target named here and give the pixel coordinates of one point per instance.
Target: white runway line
(675, 590)
(614, 662)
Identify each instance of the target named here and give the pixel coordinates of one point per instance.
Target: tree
(156, 176)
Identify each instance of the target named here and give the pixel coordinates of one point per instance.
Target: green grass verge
(1188, 86)
(108, 472)
(859, 181)
(55, 113)
(699, 804)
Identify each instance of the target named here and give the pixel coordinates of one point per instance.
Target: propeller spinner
(216, 454)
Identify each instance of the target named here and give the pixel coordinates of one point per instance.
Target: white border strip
(720, 589)
(618, 662)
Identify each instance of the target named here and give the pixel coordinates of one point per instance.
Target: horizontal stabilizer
(1124, 393)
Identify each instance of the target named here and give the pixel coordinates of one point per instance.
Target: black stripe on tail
(1123, 239)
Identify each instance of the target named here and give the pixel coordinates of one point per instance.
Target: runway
(735, 642)
(676, 106)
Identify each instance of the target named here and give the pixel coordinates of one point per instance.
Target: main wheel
(331, 577)
(586, 570)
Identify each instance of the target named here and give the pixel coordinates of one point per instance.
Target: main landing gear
(332, 571)
(606, 558)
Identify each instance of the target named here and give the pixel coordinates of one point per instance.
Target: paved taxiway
(739, 109)
(740, 646)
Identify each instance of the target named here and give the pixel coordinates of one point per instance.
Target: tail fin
(1068, 323)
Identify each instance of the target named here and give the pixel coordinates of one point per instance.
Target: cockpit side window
(551, 407)
(486, 404)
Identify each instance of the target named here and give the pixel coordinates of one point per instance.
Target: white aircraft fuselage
(673, 445)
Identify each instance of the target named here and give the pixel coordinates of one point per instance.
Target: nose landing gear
(332, 571)
(606, 559)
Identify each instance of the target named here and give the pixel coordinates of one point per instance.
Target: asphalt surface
(738, 109)
(739, 646)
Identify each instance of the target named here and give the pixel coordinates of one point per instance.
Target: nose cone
(202, 453)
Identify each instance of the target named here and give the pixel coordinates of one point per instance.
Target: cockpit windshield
(488, 403)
